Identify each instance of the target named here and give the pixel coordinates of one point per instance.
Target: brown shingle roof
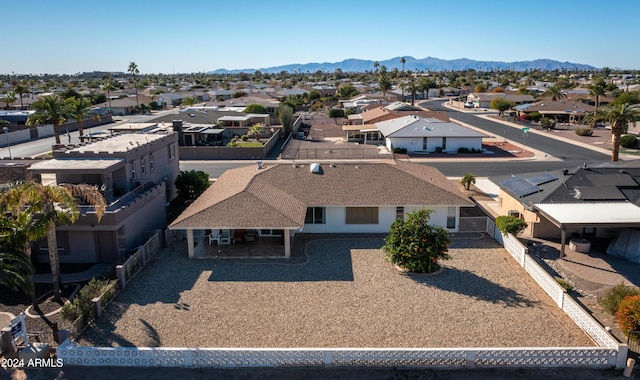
(277, 196)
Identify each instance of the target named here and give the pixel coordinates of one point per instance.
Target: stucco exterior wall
(335, 220)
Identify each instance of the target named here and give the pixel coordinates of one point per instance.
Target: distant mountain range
(429, 63)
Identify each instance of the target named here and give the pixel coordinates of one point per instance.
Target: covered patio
(241, 244)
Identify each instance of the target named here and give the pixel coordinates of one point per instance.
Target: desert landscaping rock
(345, 295)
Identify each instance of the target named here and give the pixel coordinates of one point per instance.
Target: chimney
(177, 127)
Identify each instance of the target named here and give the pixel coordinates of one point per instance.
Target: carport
(610, 215)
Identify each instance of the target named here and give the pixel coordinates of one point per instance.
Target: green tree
(21, 89)
(467, 180)
(10, 98)
(555, 93)
(188, 101)
(630, 97)
(108, 87)
(191, 184)
(619, 116)
(425, 85)
(80, 110)
(480, 87)
(51, 109)
(597, 91)
(510, 224)
(133, 70)
(285, 114)
(383, 81)
(347, 91)
(53, 205)
(415, 245)
(256, 108)
(255, 130)
(501, 105)
(336, 113)
(15, 269)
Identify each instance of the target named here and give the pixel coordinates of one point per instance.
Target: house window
(589, 231)
(362, 215)
(315, 215)
(172, 151)
(151, 166)
(424, 143)
(444, 143)
(143, 166)
(400, 212)
(133, 170)
(451, 217)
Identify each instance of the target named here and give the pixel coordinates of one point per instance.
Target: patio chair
(225, 237)
(214, 236)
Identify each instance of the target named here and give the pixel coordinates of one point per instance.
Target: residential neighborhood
(321, 219)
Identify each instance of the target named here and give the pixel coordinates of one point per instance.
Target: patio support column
(563, 239)
(190, 247)
(287, 243)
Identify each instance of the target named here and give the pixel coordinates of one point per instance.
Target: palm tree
(80, 110)
(619, 116)
(108, 87)
(10, 98)
(413, 87)
(21, 89)
(51, 110)
(556, 93)
(467, 180)
(597, 91)
(19, 227)
(384, 82)
(133, 70)
(54, 205)
(15, 269)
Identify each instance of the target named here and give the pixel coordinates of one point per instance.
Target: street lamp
(6, 133)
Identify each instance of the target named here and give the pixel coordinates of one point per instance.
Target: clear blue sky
(71, 36)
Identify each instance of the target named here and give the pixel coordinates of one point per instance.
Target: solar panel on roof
(543, 178)
(520, 186)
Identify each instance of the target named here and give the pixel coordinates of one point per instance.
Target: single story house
(483, 99)
(338, 198)
(427, 135)
(586, 202)
(563, 111)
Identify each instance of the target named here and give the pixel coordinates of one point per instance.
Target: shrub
(547, 123)
(535, 116)
(415, 245)
(611, 300)
(510, 225)
(584, 131)
(566, 285)
(82, 303)
(628, 314)
(628, 141)
(244, 137)
(70, 311)
(400, 150)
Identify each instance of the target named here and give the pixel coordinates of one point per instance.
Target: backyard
(335, 293)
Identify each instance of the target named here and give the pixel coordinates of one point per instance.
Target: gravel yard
(343, 293)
